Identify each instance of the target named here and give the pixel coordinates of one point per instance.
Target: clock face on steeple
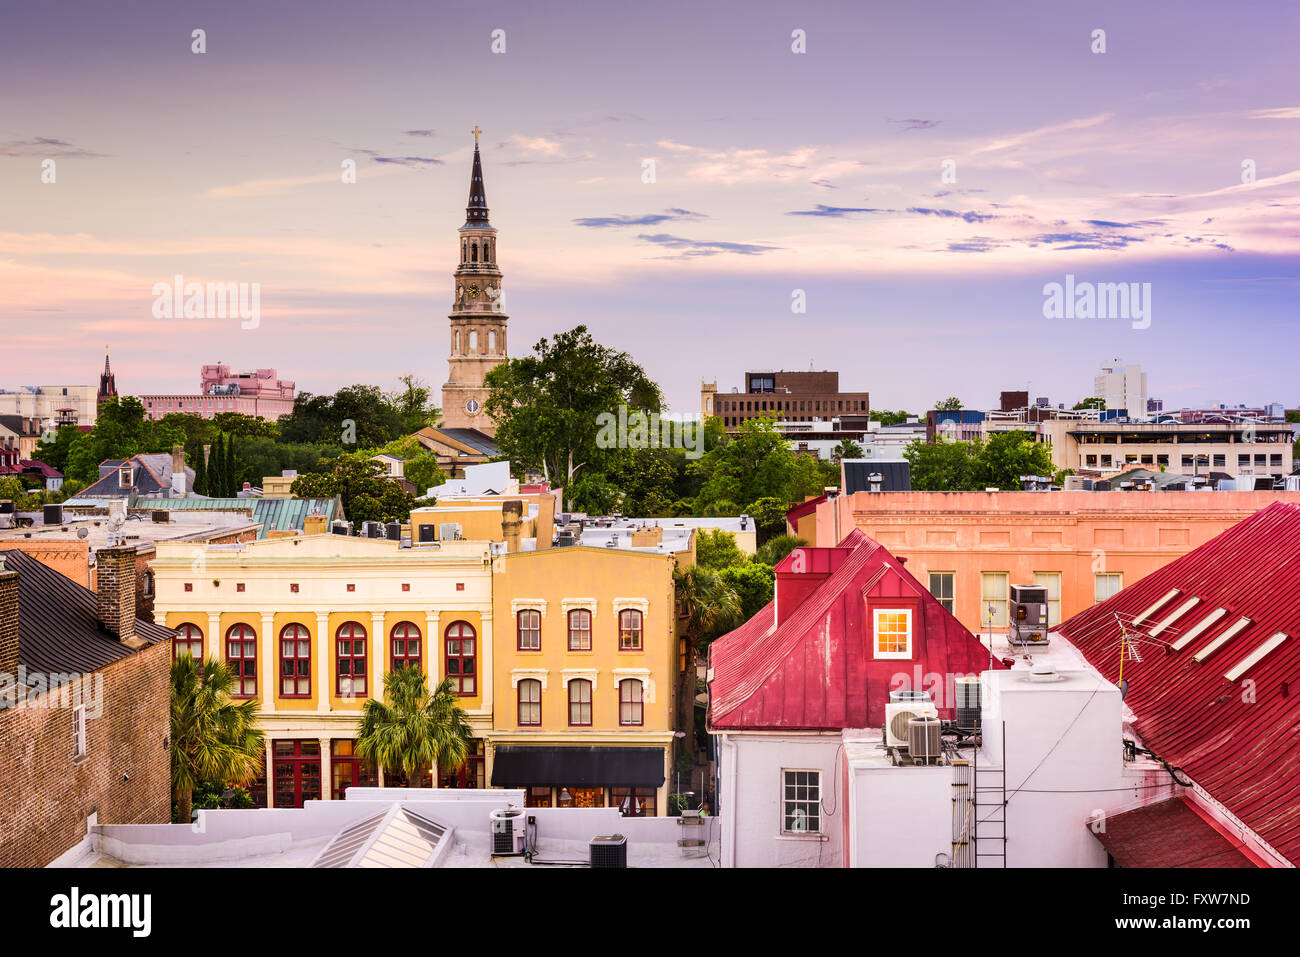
(472, 406)
(472, 289)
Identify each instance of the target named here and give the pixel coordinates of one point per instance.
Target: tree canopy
(944, 466)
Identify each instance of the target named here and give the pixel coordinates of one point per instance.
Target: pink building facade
(258, 393)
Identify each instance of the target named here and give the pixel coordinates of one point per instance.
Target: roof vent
(1041, 671)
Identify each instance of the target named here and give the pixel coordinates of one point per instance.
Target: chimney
(179, 483)
(115, 596)
(315, 525)
(512, 517)
(8, 620)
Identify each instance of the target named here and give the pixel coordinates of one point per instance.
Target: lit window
(801, 803)
(629, 630)
(893, 633)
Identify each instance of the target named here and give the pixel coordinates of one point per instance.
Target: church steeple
(476, 213)
(107, 381)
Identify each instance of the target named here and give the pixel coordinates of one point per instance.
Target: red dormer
(848, 625)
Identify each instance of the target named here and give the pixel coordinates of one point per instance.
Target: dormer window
(892, 632)
(124, 476)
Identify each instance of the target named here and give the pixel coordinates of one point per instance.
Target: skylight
(1177, 613)
(1195, 632)
(1255, 657)
(1156, 607)
(1233, 630)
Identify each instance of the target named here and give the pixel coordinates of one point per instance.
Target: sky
(915, 179)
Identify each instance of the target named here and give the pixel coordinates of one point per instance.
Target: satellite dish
(1123, 689)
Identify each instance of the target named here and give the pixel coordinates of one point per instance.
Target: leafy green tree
(754, 463)
(941, 466)
(355, 417)
(54, 452)
(412, 731)
(768, 514)
(847, 449)
(717, 549)
(710, 607)
(885, 417)
(1008, 455)
(413, 405)
(366, 495)
(213, 737)
(775, 549)
(950, 404)
(200, 471)
(1093, 402)
(753, 583)
(548, 406)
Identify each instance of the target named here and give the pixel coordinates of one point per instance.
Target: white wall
(900, 817)
(750, 767)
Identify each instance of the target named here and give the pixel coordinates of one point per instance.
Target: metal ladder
(989, 829)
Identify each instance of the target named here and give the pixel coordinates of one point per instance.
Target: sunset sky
(775, 172)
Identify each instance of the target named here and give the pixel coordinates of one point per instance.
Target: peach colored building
(970, 547)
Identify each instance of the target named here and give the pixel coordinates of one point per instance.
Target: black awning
(521, 767)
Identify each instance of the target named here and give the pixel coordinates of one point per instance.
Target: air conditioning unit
(608, 851)
(1028, 613)
(507, 838)
(903, 706)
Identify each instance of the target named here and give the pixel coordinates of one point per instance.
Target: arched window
(492, 342)
(580, 630)
(473, 252)
(406, 639)
(241, 655)
(629, 630)
(457, 341)
(350, 658)
(188, 641)
(580, 702)
(462, 658)
(530, 630)
(530, 703)
(629, 701)
(473, 341)
(295, 662)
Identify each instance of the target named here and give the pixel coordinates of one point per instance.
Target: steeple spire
(476, 213)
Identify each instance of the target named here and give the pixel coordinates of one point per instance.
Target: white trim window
(1106, 585)
(801, 801)
(79, 745)
(891, 632)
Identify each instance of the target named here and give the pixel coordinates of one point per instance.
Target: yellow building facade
(585, 673)
(311, 625)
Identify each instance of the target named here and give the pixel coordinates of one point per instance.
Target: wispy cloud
(834, 212)
(47, 146)
(915, 124)
(697, 247)
(648, 219)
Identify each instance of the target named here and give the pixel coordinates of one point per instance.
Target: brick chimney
(8, 620)
(315, 525)
(116, 593)
(512, 517)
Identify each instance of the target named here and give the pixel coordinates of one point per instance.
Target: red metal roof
(1239, 740)
(816, 670)
(804, 508)
(1170, 834)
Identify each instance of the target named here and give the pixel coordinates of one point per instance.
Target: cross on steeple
(476, 131)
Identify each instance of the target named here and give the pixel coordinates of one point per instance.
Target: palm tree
(213, 738)
(709, 607)
(411, 730)
(847, 449)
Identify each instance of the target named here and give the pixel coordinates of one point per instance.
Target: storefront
(347, 770)
(626, 778)
(296, 767)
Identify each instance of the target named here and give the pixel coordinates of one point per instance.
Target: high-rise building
(1123, 387)
(478, 317)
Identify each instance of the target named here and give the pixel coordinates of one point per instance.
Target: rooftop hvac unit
(340, 527)
(372, 529)
(1028, 614)
(507, 839)
(609, 851)
(924, 741)
(448, 531)
(393, 531)
(53, 515)
(903, 706)
(968, 703)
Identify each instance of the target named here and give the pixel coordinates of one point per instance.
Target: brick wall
(46, 795)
